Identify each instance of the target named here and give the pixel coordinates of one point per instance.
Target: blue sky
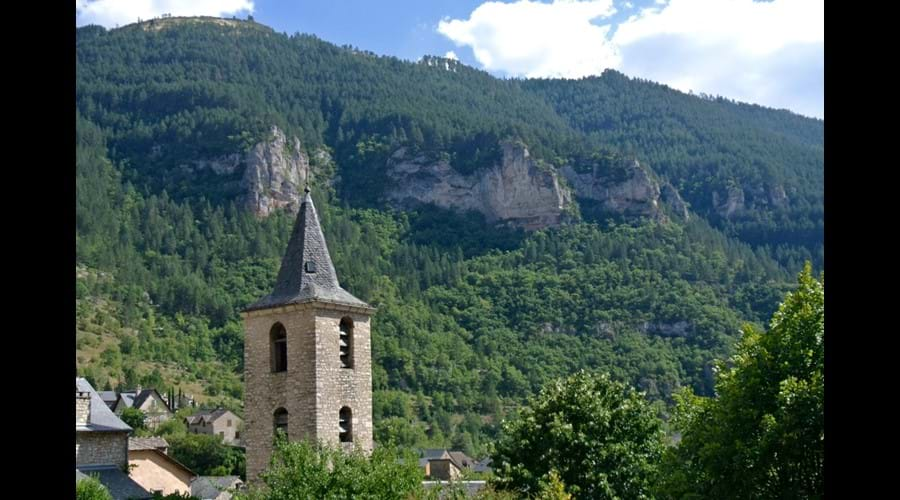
(765, 52)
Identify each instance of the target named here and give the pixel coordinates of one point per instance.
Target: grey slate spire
(307, 273)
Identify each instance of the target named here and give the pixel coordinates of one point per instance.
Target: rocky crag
(519, 190)
(527, 192)
(734, 201)
(272, 174)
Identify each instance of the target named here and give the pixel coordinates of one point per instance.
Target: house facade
(152, 468)
(101, 444)
(149, 401)
(218, 422)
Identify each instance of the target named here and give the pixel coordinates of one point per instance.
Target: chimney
(82, 407)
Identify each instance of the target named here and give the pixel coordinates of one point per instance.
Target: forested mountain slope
(472, 315)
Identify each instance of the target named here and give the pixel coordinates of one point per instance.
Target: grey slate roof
(461, 459)
(147, 443)
(207, 487)
(101, 418)
(429, 454)
(119, 485)
(483, 466)
(109, 397)
(135, 399)
(295, 284)
(208, 415)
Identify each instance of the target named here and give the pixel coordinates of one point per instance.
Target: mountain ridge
(473, 315)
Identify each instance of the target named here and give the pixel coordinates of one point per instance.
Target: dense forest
(472, 318)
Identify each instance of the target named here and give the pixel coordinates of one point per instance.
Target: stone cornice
(310, 304)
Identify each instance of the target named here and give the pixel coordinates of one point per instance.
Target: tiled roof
(461, 459)
(108, 396)
(101, 418)
(119, 485)
(147, 443)
(206, 487)
(135, 399)
(307, 273)
(207, 415)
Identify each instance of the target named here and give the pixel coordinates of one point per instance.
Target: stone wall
(220, 427)
(314, 388)
(443, 469)
(101, 448)
(82, 407)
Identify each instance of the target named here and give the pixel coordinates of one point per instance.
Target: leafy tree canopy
(599, 437)
(91, 489)
(134, 417)
(763, 436)
(301, 470)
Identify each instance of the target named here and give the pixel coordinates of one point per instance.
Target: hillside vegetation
(472, 318)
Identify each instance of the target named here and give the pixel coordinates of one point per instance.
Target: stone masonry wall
(314, 387)
(339, 387)
(101, 448)
(82, 407)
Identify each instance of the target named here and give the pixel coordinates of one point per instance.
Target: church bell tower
(307, 354)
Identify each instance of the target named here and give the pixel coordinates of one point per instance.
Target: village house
(441, 464)
(218, 422)
(101, 445)
(446, 465)
(147, 400)
(152, 467)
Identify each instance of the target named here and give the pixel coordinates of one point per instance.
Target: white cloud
(771, 53)
(110, 13)
(536, 39)
(451, 55)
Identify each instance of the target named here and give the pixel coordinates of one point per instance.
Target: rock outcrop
(272, 173)
(731, 204)
(672, 199)
(627, 188)
(527, 192)
(520, 190)
(738, 199)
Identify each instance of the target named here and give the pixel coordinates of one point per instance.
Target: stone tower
(307, 354)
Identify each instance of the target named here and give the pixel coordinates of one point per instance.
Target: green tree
(553, 488)
(301, 470)
(207, 455)
(134, 417)
(174, 496)
(602, 438)
(764, 435)
(91, 489)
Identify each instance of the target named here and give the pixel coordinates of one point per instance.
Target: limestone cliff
(527, 192)
(272, 173)
(625, 188)
(672, 198)
(737, 199)
(519, 190)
